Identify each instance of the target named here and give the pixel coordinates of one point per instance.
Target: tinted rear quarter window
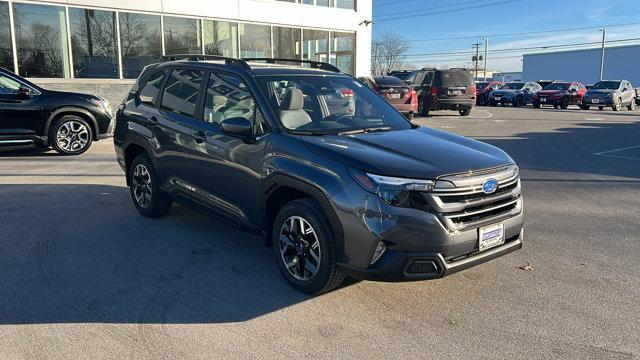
(150, 90)
(181, 91)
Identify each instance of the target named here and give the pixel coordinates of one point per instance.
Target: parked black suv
(452, 89)
(31, 115)
(318, 164)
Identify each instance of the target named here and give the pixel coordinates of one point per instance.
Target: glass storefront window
(220, 38)
(182, 36)
(255, 40)
(94, 44)
(342, 50)
(315, 45)
(286, 43)
(140, 42)
(41, 40)
(6, 50)
(346, 4)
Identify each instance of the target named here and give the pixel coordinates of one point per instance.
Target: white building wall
(584, 65)
(261, 11)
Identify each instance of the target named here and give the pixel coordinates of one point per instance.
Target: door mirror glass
(238, 126)
(23, 90)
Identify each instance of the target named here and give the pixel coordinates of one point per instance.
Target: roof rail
(429, 69)
(199, 57)
(459, 68)
(314, 64)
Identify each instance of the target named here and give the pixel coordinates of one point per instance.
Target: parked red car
(396, 92)
(560, 94)
(483, 89)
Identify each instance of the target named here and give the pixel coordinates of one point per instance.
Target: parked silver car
(615, 94)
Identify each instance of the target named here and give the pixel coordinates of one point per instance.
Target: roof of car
(257, 67)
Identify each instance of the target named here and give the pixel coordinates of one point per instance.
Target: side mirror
(23, 90)
(237, 126)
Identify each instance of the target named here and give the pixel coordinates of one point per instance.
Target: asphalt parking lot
(84, 276)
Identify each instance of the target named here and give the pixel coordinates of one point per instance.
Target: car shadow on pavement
(578, 149)
(26, 151)
(81, 253)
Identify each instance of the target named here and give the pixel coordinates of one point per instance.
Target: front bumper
(408, 266)
(601, 102)
(411, 236)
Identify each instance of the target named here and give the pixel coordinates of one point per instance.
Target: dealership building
(620, 63)
(100, 46)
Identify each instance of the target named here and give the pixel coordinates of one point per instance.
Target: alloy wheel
(72, 136)
(141, 182)
(299, 248)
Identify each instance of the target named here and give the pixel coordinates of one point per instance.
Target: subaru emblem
(490, 186)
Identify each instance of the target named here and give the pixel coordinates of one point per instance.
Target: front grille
(461, 203)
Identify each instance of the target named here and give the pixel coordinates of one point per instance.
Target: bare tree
(387, 52)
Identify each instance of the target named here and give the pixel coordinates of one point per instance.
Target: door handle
(200, 137)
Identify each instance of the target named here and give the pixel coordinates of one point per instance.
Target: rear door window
(181, 91)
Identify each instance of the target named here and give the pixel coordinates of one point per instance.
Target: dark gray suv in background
(330, 174)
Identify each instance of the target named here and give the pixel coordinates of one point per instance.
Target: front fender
(73, 109)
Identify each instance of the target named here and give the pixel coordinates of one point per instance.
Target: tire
(617, 105)
(464, 112)
(144, 187)
(585, 107)
(632, 105)
(493, 103)
(600, 108)
(536, 105)
(422, 107)
(325, 275)
(555, 106)
(517, 102)
(564, 103)
(482, 101)
(70, 135)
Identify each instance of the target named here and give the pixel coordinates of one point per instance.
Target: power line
(524, 33)
(544, 47)
(450, 10)
(431, 8)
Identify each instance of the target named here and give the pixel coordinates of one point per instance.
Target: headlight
(393, 190)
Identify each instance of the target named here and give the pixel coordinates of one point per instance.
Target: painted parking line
(611, 153)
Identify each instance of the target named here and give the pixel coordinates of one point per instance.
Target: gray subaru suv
(334, 179)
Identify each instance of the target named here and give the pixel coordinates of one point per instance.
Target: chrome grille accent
(461, 203)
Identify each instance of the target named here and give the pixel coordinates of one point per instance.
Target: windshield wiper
(365, 130)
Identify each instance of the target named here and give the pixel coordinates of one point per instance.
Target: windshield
(401, 75)
(606, 85)
(389, 81)
(318, 105)
(557, 86)
(513, 86)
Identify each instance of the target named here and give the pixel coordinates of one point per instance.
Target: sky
(433, 27)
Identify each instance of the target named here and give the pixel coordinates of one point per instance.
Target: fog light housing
(380, 249)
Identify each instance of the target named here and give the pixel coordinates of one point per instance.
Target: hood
(505, 91)
(550, 92)
(601, 91)
(421, 153)
(74, 95)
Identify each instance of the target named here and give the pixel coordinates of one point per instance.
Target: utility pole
(604, 37)
(477, 47)
(486, 56)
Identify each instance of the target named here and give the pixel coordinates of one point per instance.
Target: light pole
(604, 37)
(486, 56)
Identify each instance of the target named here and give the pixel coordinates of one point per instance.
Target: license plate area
(498, 98)
(490, 236)
(394, 96)
(595, 101)
(454, 92)
(543, 99)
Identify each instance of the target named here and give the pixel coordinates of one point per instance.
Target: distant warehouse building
(100, 46)
(620, 62)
